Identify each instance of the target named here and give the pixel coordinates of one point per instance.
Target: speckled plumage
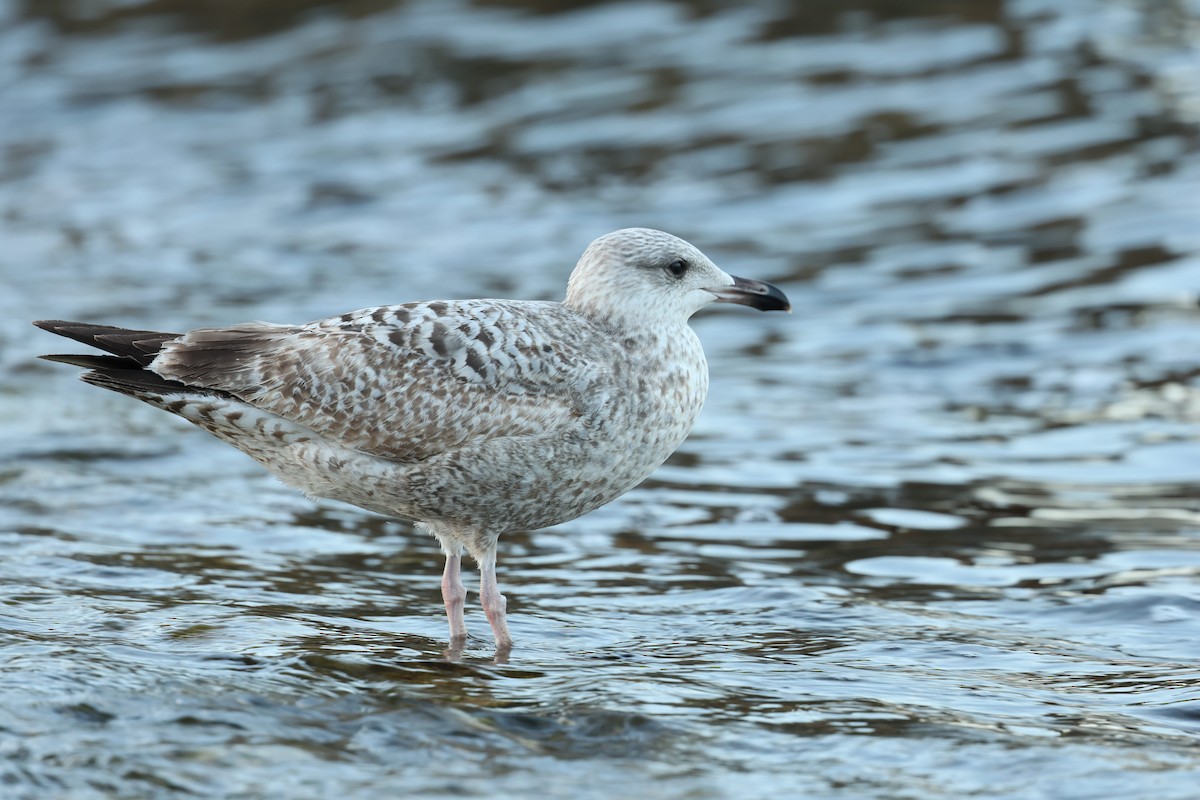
(383, 408)
(472, 417)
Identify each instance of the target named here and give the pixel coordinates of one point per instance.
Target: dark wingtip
(92, 361)
(136, 345)
(141, 382)
(53, 325)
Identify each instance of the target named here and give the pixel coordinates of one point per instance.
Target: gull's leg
(493, 602)
(454, 594)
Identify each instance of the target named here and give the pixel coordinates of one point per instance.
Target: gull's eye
(677, 268)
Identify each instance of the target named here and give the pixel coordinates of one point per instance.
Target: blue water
(936, 535)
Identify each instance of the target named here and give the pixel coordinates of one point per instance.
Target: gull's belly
(632, 422)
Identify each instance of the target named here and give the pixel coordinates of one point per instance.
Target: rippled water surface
(936, 535)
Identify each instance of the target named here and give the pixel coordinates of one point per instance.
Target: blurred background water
(935, 536)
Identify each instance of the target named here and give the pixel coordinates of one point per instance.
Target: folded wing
(403, 382)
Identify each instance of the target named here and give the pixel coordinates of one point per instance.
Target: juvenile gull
(470, 417)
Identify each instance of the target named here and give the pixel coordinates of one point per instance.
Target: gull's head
(640, 274)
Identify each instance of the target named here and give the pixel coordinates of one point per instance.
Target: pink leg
(493, 602)
(455, 597)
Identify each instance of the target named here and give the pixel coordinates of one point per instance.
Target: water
(935, 536)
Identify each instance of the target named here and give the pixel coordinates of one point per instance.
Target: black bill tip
(756, 294)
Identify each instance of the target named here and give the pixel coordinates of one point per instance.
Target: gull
(469, 417)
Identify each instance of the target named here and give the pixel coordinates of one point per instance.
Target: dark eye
(677, 268)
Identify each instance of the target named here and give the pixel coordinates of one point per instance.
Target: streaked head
(645, 274)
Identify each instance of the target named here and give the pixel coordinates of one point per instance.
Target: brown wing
(404, 382)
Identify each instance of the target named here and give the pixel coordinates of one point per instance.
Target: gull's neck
(629, 319)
